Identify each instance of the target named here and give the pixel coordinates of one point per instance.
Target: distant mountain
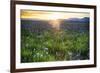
(26, 19)
(74, 19)
(85, 19)
(39, 26)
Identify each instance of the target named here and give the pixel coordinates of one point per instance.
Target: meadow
(55, 45)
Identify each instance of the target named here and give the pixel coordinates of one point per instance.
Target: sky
(50, 15)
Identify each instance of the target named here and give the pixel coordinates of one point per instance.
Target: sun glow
(54, 16)
(55, 20)
(55, 23)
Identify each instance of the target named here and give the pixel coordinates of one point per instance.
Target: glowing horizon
(48, 15)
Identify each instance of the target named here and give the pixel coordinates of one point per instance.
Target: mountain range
(85, 19)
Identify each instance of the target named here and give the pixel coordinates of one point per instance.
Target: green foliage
(54, 45)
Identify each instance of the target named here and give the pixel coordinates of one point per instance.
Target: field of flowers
(54, 45)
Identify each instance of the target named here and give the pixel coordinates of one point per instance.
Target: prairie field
(42, 42)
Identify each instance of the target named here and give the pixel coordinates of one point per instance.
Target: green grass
(54, 45)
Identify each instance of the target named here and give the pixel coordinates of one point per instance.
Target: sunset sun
(54, 16)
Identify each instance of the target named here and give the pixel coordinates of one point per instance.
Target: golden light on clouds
(48, 15)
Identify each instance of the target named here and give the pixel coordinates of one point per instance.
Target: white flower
(46, 48)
